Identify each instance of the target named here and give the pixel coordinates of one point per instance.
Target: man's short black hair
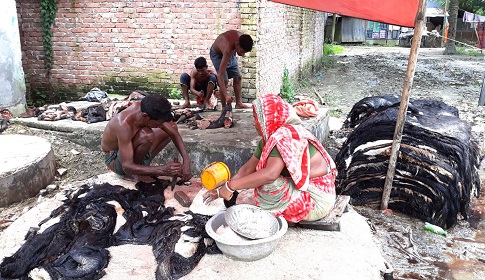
(246, 42)
(200, 63)
(157, 107)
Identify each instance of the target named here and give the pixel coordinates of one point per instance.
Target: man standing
(202, 82)
(223, 56)
(134, 136)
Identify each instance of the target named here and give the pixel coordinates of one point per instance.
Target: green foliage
(287, 92)
(473, 6)
(472, 52)
(332, 49)
(48, 9)
(175, 93)
(305, 82)
(37, 98)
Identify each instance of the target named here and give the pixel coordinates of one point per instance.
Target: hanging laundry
(468, 17)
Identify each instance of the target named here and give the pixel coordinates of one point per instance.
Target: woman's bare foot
(242, 106)
(208, 106)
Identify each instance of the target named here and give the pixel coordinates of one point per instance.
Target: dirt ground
(359, 72)
(366, 71)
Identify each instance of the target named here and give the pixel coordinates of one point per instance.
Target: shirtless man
(202, 82)
(223, 56)
(134, 136)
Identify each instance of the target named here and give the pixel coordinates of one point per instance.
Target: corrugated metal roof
(435, 12)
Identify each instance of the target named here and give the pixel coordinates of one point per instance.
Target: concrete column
(12, 82)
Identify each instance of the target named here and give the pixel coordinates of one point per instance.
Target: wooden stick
(481, 100)
(419, 24)
(319, 96)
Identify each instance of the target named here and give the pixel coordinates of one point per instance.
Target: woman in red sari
(291, 172)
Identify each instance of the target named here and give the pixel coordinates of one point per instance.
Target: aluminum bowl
(251, 221)
(240, 248)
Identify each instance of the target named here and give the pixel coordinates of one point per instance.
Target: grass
(472, 52)
(329, 49)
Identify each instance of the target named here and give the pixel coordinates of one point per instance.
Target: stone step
(233, 146)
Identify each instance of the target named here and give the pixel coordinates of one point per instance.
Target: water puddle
(471, 265)
(466, 269)
(460, 256)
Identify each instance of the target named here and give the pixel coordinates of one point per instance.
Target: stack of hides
(437, 166)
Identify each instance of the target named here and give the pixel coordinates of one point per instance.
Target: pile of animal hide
(103, 110)
(56, 112)
(5, 116)
(195, 121)
(75, 247)
(437, 166)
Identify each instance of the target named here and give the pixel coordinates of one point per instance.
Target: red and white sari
(296, 197)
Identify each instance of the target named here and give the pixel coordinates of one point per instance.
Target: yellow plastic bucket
(214, 175)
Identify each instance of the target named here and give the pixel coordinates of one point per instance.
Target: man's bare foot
(186, 105)
(242, 106)
(210, 107)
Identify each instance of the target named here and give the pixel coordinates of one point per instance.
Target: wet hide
(74, 247)
(437, 166)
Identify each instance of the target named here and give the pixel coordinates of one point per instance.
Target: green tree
(473, 6)
(450, 47)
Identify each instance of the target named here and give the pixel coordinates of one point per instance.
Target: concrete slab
(233, 146)
(301, 254)
(27, 165)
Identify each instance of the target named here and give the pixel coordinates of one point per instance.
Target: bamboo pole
(419, 24)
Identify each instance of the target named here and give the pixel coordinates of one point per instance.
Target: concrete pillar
(12, 82)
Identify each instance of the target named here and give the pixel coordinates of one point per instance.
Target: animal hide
(57, 112)
(91, 114)
(192, 118)
(74, 248)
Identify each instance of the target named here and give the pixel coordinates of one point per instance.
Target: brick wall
(122, 45)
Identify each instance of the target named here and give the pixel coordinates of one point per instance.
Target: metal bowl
(240, 248)
(251, 221)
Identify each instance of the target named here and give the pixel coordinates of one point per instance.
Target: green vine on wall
(48, 9)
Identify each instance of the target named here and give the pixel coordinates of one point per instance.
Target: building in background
(352, 30)
(12, 83)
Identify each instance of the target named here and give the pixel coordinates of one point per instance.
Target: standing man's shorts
(112, 158)
(232, 69)
(185, 80)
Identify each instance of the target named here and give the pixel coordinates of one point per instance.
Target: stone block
(27, 165)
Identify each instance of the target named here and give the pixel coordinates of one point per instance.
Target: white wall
(12, 83)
